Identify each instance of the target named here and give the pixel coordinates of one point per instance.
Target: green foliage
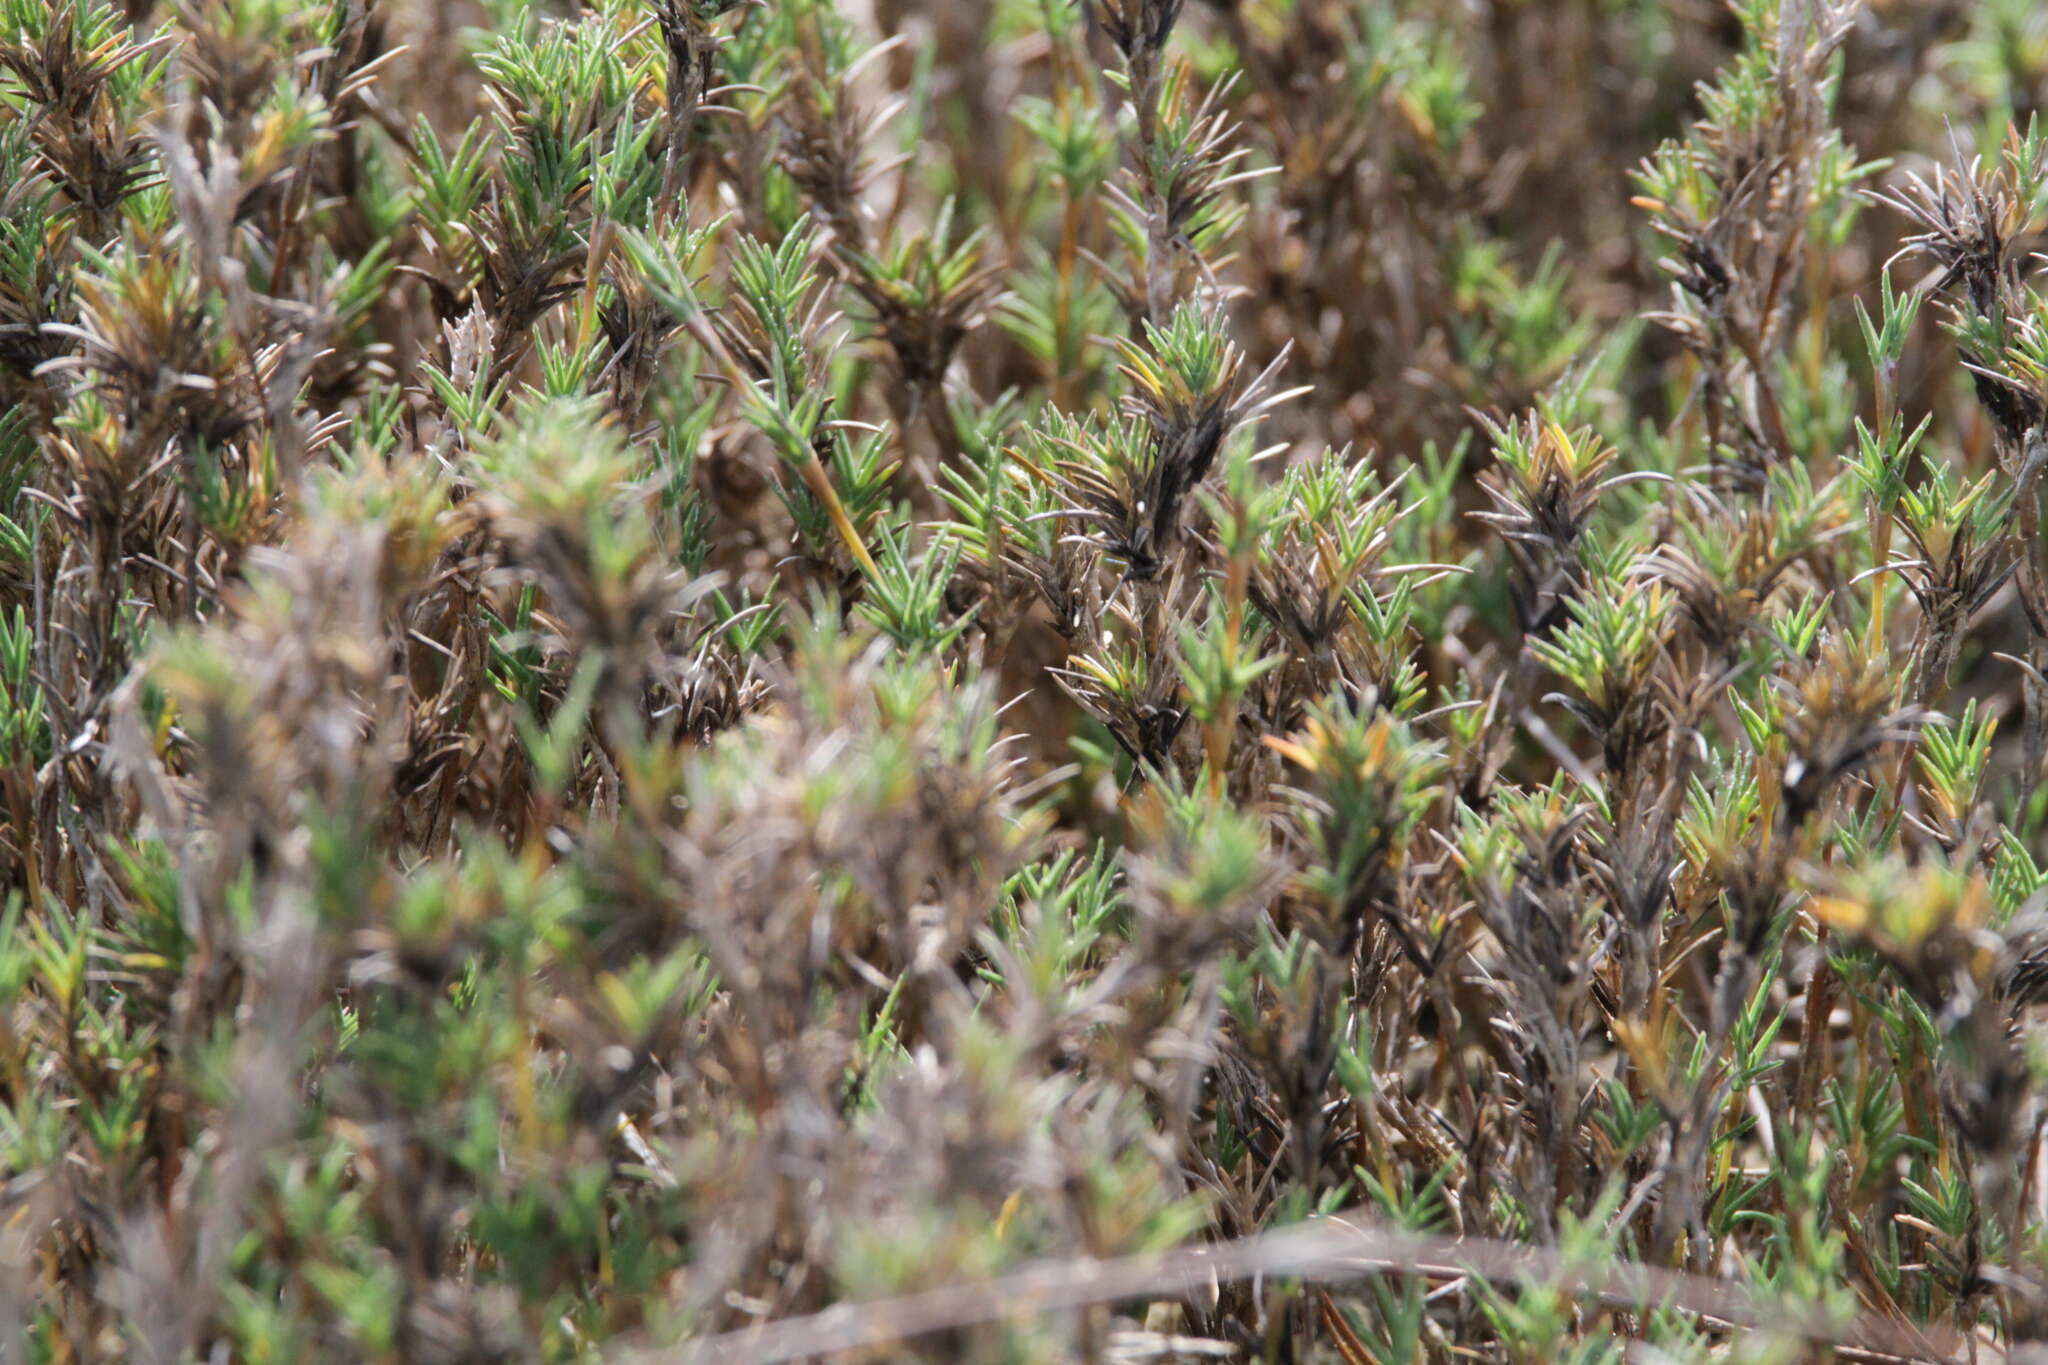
(668, 667)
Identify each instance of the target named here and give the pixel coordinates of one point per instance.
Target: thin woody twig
(1330, 1250)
